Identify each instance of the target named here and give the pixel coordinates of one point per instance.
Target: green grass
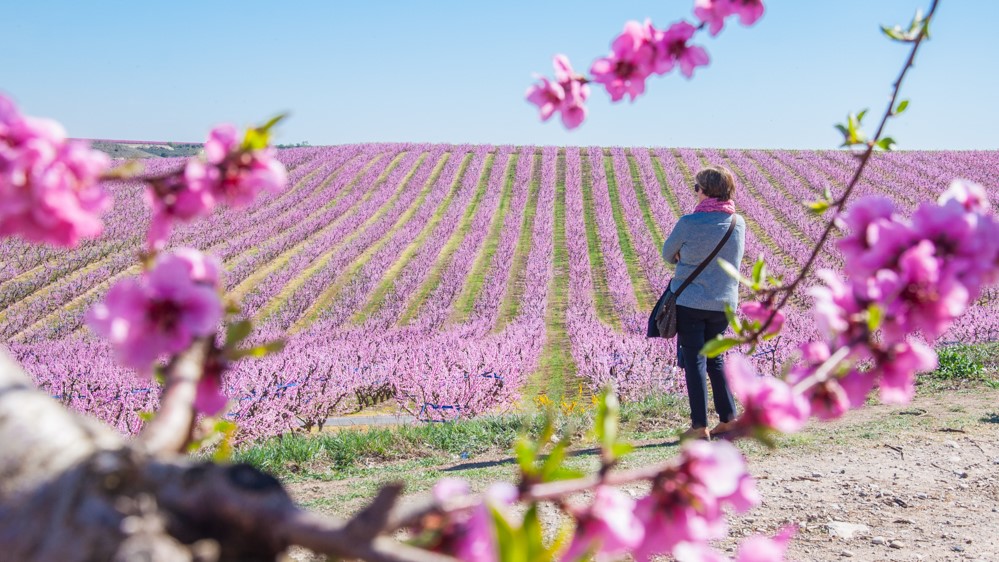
(357, 452)
(465, 303)
(643, 293)
(388, 280)
(643, 202)
(664, 186)
(961, 366)
(601, 293)
(515, 282)
(557, 369)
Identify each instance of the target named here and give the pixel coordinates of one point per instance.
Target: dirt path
(919, 482)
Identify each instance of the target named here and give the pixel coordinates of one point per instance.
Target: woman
(700, 310)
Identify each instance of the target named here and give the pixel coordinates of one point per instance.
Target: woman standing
(700, 310)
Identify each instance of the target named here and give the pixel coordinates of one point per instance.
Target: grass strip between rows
(518, 270)
(388, 280)
(433, 280)
(639, 283)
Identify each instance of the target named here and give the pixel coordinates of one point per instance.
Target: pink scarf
(712, 205)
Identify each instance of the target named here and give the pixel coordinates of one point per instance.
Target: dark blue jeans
(693, 328)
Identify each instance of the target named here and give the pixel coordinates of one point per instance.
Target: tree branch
(170, 431)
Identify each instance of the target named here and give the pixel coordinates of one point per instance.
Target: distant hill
(146, 149)
(158, 149)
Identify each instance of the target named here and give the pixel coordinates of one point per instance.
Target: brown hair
(717, 182)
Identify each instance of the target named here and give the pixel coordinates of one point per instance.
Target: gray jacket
(693, 238)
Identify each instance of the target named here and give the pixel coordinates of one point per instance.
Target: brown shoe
(695, 433)
(723, 428)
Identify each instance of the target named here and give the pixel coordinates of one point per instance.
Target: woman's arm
(671, 248)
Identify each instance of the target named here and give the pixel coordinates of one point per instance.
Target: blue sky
(456, 71)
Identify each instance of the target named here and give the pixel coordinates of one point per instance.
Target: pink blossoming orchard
(275, 289)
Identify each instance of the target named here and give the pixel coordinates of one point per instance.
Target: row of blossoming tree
(908, 277)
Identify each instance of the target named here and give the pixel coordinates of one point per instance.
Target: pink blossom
(713, 13)
(758, 548)
(831, 398)
(686, 506)
(921, 295)
(232, 174)
(566, 94)
(969, 195)
(608, 529)
(162, 311)
(471, 535)
(447, 488)
(757, 312)
(837, 311)
(769, 403)
(672, 48)
(748, 10)
(876, 236)
(173, 199)
(964, 240)
(898, 367)
(630, 62)
(49, 187)
(209, 399)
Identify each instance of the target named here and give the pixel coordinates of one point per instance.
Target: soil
(915, 482)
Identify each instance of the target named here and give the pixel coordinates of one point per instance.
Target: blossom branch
(840, 203)
(170, 431)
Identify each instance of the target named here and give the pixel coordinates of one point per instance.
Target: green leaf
(817, 207)
(237, 332)
(885, 143)
(733, 320)
(228, 431)
(860, 116)
(526, 452)
(146, 416)
(554, 461)
(621, 449)
(257, 138)
(875, 315)
(902, 105)
(717, 346)
(512, 546)
(759, 272)
(894, 33)
(733, 272)
(533, 537)
(256, 351)
(564, 473)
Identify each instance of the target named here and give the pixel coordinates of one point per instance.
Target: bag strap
(704, 264)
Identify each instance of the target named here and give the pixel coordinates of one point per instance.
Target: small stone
(951, 444)
(897, 544)
(878, 540)
(957, 548)
(905, 521)
(846, 554)
(816, 475)
(846, 530)
(921, 496)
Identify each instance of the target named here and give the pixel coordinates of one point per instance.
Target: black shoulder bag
(662, 321)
